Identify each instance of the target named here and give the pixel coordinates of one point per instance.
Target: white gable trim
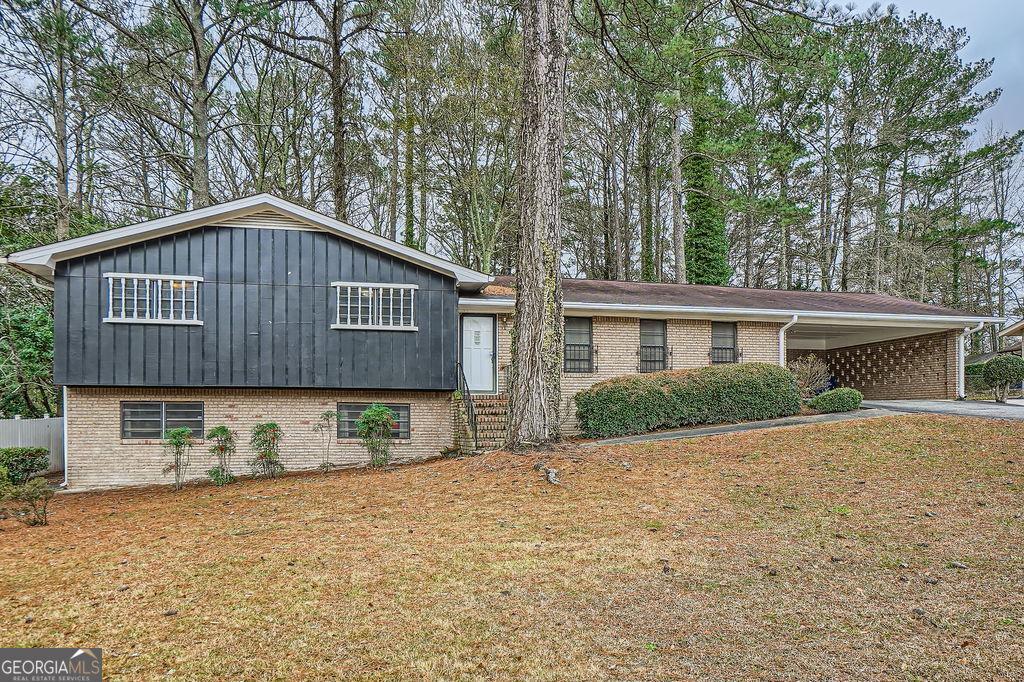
(42, 259)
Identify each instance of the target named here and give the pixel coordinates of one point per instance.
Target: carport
(889, 357)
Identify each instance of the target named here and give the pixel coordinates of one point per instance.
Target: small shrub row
(708, 395)
(374, 426)
(837, 400)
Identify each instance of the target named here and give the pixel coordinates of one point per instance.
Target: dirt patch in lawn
(881, 549)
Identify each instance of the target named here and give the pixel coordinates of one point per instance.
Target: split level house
(260, 310)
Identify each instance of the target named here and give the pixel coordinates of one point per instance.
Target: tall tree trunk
(618, 247)
(678, 228)
(60, 129)
(338, 74)
(537, 330)
(409, 133)
(393, 180)
(647, 272)
(200, 111)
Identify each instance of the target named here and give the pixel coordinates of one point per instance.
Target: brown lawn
(824, 552)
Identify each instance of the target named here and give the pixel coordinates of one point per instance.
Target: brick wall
(617, 340)
(98, 457)
(921, 367)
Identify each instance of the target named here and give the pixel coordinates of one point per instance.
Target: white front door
(478, 352)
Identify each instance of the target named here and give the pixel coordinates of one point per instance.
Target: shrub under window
(709, 395)
(349, 414)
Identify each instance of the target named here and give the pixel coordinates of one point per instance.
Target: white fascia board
(762, 314)
(1015, 329)
(40, 260)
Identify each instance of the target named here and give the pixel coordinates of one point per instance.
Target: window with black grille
(349, 414)
(723, 343)
(579, 345)
(153, 419)
(653, 347)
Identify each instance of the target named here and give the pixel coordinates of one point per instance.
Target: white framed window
(148, 299)
(363, 305)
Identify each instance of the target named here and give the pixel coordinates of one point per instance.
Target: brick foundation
(98, 457)
(915, 367)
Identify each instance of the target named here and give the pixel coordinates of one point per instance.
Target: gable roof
(40, 260)
(653, 297)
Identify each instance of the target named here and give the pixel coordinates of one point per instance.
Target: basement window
(382, 307)
(152, 419)
(152, 299)
(349, 414)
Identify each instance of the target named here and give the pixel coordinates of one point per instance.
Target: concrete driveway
(960, 408)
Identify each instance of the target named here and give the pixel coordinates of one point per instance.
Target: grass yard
(888, 548)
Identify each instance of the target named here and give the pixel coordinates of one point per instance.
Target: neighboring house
(1012, 348)
(260, 310)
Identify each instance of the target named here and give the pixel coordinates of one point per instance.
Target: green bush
(222, 447)
(374, 427)
(710, 395)
(21, 463)
(1003, 371)
(265, 442)
(837, 400)
(974, 369)
(179, 442)
(27, 503)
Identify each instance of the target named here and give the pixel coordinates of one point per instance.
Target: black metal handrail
(468, 405)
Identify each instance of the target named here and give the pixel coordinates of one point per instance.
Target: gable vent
(266, 220)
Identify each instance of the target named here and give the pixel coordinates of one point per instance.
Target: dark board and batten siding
(267, 306)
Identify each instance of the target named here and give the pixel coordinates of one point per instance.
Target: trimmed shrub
(21, 463)
(710, 395)
(837, 400)
(1002, 372)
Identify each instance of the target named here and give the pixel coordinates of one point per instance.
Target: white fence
(45, 433)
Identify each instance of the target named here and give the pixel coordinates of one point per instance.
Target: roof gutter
(697, 311)
(782, 339)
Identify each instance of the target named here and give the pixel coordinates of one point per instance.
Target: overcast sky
(996, 28)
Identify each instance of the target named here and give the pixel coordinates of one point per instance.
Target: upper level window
(167, 299)
(579, 355)
(723, 342)
(653, 349)
(375, 306)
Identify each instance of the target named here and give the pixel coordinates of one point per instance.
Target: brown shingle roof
(697, 295)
